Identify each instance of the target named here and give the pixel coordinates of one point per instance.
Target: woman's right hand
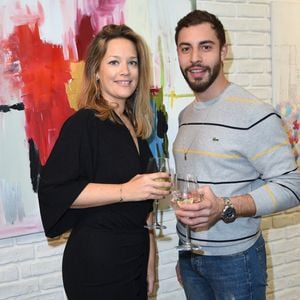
(147, 186)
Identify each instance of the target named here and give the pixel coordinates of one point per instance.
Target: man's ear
(224, 51)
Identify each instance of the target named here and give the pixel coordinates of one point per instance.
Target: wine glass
(157, 164)
(185, 191)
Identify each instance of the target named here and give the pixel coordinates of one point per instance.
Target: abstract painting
(42, 47)
(41, 53)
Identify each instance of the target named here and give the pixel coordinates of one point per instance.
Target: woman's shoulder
(82, 114)
(81, 118)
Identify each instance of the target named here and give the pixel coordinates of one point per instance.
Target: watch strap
(229, 212)
(227, 202)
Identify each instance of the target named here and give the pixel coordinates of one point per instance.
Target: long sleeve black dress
(107, 252)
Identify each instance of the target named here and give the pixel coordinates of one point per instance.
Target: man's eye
(185, 49)
(206, 47)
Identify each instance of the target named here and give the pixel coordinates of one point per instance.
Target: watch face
(229, 215)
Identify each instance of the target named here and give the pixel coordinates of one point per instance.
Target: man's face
(200, 56)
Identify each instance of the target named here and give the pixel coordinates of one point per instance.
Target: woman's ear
(97, 76)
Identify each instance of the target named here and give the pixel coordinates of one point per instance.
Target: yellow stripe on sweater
(271, 195)
(222, 155)
(270, 150)
(237, 99)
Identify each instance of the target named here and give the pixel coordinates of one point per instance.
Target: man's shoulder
(240, 100)
(186, 110)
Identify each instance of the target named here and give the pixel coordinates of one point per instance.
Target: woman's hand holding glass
(155, 184)
(147, 186)
(160, 165)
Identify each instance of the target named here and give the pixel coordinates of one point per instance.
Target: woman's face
(119, 70)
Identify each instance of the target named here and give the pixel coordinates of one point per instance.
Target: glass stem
(187, 234)
(156, 211)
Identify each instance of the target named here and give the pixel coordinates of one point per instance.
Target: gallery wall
(42, 47)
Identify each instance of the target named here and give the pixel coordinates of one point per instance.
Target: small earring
(98, 92)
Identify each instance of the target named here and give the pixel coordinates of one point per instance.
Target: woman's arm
(151, 273)
(139, 188)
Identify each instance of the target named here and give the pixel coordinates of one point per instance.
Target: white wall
(30, 266)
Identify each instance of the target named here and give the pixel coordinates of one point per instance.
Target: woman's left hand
(151, 282)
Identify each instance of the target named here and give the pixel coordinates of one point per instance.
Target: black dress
(107, 252)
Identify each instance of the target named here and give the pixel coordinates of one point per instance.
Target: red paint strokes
(84, 36)
(154, 91)
(41, 72)
(44, 73)
(296, 125)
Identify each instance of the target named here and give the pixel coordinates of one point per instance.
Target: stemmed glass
(185, 191)
(157, 164)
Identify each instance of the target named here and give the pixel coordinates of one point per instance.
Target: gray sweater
(236, 144)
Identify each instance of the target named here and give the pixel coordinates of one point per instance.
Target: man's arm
(207, 212)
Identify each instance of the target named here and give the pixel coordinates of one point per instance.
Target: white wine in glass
(185, 191)
(157, 164)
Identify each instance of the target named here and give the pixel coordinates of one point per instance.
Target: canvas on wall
(286, 68)
(41, 61)
(156, 22)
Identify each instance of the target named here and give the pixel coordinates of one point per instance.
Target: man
(237, 148)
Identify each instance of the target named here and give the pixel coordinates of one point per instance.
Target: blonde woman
(94, 181)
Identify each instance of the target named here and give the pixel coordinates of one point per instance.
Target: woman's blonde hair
(137, 108)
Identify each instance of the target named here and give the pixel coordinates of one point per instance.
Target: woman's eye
(134, 63)
(113, 62)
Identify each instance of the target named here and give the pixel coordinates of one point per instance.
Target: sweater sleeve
(270, 153)
(65, 174)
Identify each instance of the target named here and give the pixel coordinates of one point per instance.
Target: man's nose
(196, 56)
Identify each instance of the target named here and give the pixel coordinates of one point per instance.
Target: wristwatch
(229, 212)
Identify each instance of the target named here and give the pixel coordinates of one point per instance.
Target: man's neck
(218, 86)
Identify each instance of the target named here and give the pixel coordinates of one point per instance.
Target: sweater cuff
(264, 200)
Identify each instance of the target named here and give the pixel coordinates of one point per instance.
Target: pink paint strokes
(93, 16)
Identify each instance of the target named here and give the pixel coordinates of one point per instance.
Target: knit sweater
(236, 144)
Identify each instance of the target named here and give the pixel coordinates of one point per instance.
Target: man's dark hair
(197, 17)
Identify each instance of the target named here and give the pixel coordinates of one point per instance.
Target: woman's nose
(124, 69)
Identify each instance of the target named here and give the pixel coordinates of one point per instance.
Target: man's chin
(196, 87)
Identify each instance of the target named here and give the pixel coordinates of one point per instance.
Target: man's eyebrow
(207, 42)
(200, 43)
(184, 44)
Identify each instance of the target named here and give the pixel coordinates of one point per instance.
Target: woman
(93, 181)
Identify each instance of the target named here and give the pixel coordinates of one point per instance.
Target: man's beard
(201, 85)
